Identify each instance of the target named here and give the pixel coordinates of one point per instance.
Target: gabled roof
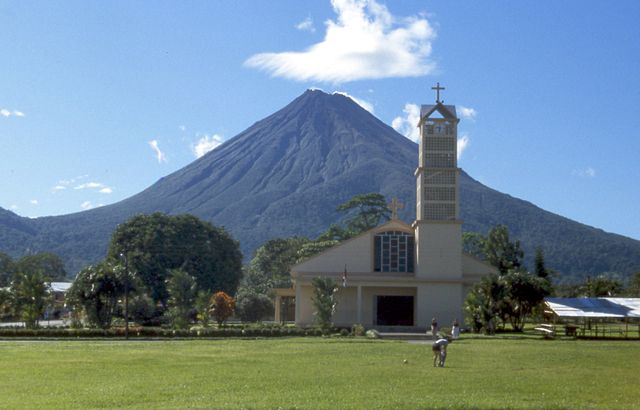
(447, 111)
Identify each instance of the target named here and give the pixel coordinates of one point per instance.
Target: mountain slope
(286, 174)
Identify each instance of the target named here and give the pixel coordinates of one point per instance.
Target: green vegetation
(324, 300)
(153, 245)
(482, 373)
(513, 294)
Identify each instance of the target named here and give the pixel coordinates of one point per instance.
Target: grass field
(319, 373)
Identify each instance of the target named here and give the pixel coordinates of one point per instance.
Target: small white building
(398, 274)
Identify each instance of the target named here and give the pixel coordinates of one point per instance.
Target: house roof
(595, 307)
(60, 286)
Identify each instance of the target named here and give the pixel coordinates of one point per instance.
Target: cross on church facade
(438, 88)
(394, 205)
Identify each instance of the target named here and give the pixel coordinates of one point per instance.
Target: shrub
(253, 307)
(222, 307)
(357, 330)
(373, 334)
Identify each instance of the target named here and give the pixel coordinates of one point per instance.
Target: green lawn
(319, 373)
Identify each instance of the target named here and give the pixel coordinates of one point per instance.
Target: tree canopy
(48, 264)
(500, 251)
(7, 268)
(157, 243)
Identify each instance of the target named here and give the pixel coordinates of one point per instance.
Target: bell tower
(438, 228)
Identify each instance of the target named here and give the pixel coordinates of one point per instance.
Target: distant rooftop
(595, 307)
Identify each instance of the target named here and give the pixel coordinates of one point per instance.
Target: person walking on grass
(439, 349)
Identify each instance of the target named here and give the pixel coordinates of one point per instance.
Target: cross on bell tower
(438, 88)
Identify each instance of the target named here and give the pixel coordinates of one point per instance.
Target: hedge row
(155, 332)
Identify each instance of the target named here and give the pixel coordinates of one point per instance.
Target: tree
(634, 285)
(500, 252)
(7, 267)
(96, 290)
(324, 300)
(49, 265)
(252, 306)
(182, 297)
(366, 212)
(222, 307)
(313, 248)
(6, 303)
(483, 303)
(473, 244)
(157, 243)
(142, 310)
(202, 307)
(601, 286)
(540, 269)
(30, 297)
(273, 260)
(524, 292)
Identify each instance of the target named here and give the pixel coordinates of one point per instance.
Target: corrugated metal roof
(595, 307)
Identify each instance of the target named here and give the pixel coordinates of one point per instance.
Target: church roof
(447, 111)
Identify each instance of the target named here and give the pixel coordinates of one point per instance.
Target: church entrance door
(394, 311)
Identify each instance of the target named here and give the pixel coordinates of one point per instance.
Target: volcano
(286, 174)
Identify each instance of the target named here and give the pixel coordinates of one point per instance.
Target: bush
(253, 307)
(357, 330)
(373, 334)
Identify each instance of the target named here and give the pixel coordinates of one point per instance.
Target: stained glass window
(393, 252)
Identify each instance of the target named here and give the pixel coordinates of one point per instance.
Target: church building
(398, 274)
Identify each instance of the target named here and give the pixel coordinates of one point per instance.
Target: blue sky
(98, 100)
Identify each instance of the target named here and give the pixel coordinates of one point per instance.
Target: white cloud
(365, 42)
(99, 186)
(205, 144)
(306, 25)
(407, 125)
(8, 113)
(467, 113)
(34, 202)
(588, 172)
(463, 143)
(86, 205)
(362, 103)
(89, 185)
(14, 207)
(160, 156)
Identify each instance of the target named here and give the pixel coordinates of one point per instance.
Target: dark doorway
(394, 311)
